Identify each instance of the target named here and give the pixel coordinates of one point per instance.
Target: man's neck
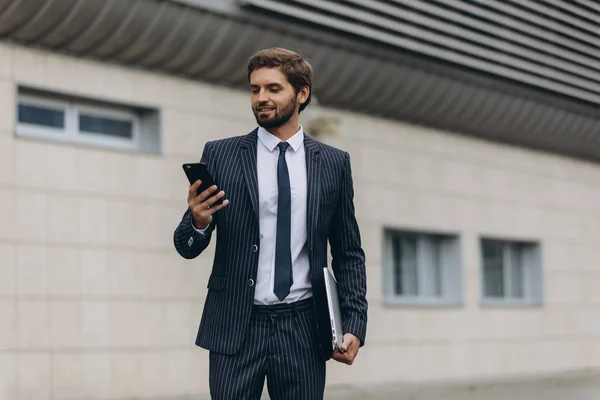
(285, 131)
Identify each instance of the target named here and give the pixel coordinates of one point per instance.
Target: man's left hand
(350, 346)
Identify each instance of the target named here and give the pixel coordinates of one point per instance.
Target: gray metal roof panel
(454, 32)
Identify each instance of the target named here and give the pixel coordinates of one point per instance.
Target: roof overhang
(211, 40)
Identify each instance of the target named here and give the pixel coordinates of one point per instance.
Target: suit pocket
(328, 198)
(216, 283)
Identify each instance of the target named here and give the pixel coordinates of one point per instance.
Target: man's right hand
(202, 205)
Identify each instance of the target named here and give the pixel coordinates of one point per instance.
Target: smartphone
(199, 171)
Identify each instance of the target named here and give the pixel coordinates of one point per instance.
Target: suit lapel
(248, 164)
(313, 176)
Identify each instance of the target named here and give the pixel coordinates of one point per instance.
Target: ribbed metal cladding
(187, 41)
(552, 44)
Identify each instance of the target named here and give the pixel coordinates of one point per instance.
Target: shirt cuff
(201, 232)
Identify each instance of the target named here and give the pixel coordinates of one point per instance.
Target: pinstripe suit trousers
(281, 347)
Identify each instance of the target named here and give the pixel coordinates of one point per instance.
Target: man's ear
(303, 95)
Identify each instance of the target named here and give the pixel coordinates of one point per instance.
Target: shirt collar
(271, 141)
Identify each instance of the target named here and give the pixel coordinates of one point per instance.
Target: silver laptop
(333, 303)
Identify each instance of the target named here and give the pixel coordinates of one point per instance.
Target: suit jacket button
(250, 282)
(254, 248)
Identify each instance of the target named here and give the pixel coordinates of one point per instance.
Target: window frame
(71, 133)
(98, 139)
(449, 267)
(532, 272)
(39, 131)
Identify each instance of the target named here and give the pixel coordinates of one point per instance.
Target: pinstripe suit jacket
(330, 210)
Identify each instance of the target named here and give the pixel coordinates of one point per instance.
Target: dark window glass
(405, 264)
(493, 268)
(105, 126)
(42, 116)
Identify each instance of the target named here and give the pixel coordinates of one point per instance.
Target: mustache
(261, 105)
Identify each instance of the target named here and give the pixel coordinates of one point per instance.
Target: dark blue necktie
(283, 253)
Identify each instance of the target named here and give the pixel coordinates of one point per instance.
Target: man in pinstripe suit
(285, 196)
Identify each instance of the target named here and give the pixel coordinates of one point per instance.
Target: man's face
(274, 100)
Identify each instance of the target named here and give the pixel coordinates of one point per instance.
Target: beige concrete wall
(96, 303)
(411, 177)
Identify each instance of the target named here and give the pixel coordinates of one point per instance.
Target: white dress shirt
(267, 154)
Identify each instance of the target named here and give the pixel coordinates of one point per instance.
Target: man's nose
(262, 97)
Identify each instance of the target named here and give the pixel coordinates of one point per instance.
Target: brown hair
(297, 69)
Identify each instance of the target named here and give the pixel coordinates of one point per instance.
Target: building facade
(477, 191)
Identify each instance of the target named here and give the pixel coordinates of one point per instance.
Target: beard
(280, 117)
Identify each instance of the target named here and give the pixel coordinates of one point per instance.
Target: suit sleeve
(188, 241)
(348, 259)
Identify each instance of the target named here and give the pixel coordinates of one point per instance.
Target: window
(511, 272)
(57, 117)
(422, 268)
